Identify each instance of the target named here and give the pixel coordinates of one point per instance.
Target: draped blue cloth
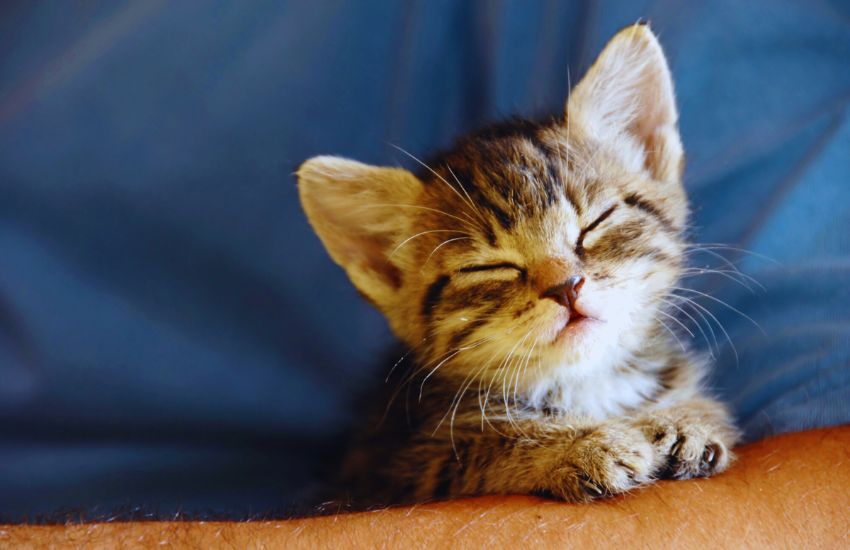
(172, 334)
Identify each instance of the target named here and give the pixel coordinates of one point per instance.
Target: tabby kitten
(529, 271)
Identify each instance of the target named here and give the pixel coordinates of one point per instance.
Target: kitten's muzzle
(566, 294)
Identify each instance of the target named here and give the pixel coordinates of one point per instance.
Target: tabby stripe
(640, 203)
(481, 199)
(452, 469)
(505, 220)
(551, 184)
(499, 265)
(489, 234)
(434, 294)
(569, 192)
(658, 255)
(469, 329)
(552, 155)
(465, 332)
(480, 294)
(443, 483)
(667, 376)
(591, 227)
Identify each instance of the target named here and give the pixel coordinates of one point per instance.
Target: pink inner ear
(629, 84)
(630, 91)
(350, 206)
(656, 107)
(372, 253)
(662, 159)
(364, 258)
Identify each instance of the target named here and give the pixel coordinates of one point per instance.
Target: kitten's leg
(571, 464)
(690, 439)
(695, 436)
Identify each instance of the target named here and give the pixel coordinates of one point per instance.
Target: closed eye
(493, 267)
(593, 225)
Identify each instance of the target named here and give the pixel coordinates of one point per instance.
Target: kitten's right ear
(628, 92)
(355, 210)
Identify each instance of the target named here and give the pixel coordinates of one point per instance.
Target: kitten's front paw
(607, 461)
(692, 449)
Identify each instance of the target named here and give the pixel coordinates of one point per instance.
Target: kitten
(529, 271)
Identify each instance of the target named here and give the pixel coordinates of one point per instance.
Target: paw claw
(610, 461)
(675, 450)
(694, 457)
(591, 488)
(708, 455)
(630, 471)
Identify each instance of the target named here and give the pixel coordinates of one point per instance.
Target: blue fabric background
(173, 336)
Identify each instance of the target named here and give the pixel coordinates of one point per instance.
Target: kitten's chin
(582, 341)
(575, 330)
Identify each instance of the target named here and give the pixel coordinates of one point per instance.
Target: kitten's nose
(566, 293)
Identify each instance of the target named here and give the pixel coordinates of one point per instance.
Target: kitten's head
(530, 245)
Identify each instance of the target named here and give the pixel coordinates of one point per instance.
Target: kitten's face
(529, 247)
(544, 251)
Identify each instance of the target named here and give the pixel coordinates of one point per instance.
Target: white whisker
(439, 246)
(678, 322)
(673, 334)
(429, 209)
(689, 316)
(450, 186)
(469, 201)
(719, 324)
(407, 240)
(721, 302)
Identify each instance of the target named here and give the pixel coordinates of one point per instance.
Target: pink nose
(565, 293)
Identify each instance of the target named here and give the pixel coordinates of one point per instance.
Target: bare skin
(790, 491)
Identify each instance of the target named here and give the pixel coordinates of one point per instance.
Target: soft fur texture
(531, 271)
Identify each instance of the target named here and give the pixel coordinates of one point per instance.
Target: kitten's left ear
(628, 92)
(356, 211)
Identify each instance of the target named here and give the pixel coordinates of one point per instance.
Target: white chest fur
(596, 393)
